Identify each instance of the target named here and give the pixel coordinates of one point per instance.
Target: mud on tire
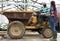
(47, 32)
(16, 30)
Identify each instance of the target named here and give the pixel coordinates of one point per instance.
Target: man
(53, 18)
(45, 12)
(45, 9)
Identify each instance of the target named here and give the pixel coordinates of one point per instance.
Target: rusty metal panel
(18, 15)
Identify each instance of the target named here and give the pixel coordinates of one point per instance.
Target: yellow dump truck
(20, 21)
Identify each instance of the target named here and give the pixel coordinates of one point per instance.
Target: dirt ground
(29, 36)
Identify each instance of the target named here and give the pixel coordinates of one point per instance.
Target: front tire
(16, 30)
(47, 32)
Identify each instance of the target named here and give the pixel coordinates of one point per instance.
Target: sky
(47, 1)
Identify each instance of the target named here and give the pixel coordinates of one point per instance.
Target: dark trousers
(53, 26)
(44, 18)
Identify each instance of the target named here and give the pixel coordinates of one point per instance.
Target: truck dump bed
(20, 16)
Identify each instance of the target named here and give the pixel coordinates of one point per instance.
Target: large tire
(16, 30)
(47, 32)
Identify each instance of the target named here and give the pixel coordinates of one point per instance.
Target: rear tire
(16, 30)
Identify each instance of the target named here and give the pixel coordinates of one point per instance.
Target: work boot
(54, 35)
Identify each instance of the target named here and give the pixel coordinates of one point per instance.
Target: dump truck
(20, 21)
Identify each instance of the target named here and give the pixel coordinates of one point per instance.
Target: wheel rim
(15, 29)
(48, 33)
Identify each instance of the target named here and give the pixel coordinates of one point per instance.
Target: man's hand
(52, 14)
(47, 14)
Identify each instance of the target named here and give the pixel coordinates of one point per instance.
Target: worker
(45, 12)
(45, 9)
(53, 18)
